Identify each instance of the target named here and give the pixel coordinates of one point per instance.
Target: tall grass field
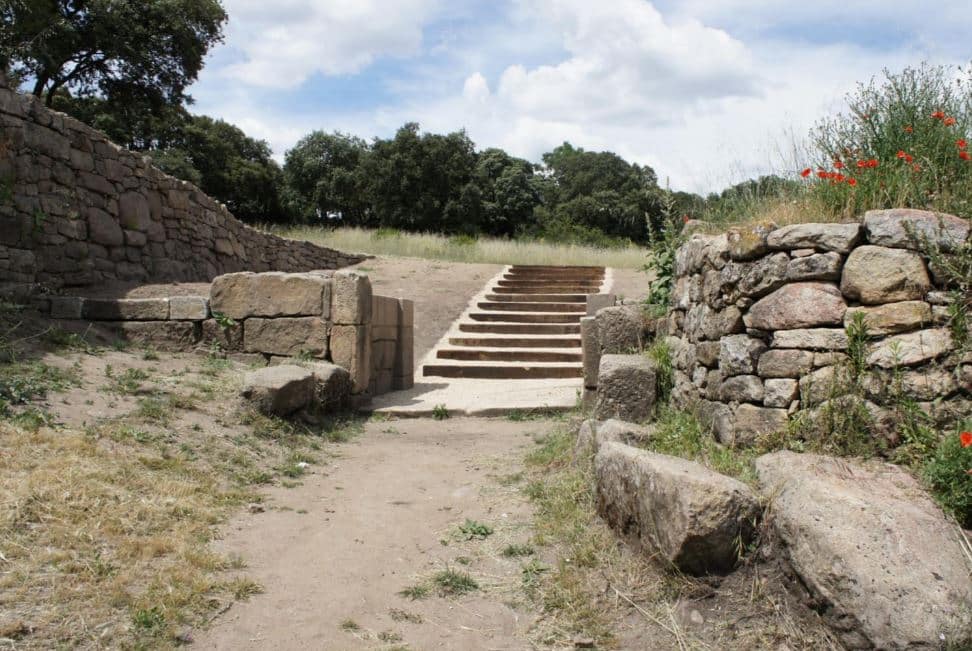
(430, 246)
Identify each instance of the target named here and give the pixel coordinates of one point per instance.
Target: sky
(706, 92)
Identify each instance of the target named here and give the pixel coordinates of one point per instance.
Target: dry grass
(782, 211)
(485, 250)
(105, 529)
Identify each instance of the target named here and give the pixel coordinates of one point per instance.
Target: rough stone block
(271, 294)
(280, 390)
(286, 336)
(738, 354)
(876, 274)
(625, 387)
(226, 337)
(164, 335)
(784, 363)
(751, 422)
(66, 307)
(823, 237)
(820, 266)
(749, 242)
(878, 555)
(811, 339)
(333, 386)
(619, 329)
(913, 229)
(188, 308)
(592, 434)
(742, 388)
(892, 318)
(591, 351)
(126, 309)
(780, 392)
(910, 349)
(798, 305)
(133, 211)
(351, 348)
(104, 229)
(351, 298)
(597, 302)
(679, 510)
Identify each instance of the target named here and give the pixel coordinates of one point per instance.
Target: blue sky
(706, 92)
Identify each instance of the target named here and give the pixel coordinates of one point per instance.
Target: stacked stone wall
(78, 210)
(758, 327)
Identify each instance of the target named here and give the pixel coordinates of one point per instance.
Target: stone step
(505, 306)
(542, 287)
(522, 317)
(546, 267)
(480, 355)
(521, 328)
(569, 290)
(509, 372)
(554, 277)
(525, 275)
(516, 342)
(539, 298)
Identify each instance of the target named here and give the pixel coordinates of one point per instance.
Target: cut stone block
(625, 387)
(286, 336)
(351, 298)
(351, 348)
(126, 309)
(280, 390)
(271, 294)
(188, 308)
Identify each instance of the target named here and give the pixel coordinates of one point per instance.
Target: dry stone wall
(758, 327)
(78, 210)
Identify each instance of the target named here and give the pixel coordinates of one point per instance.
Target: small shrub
(515, 551)
(439, 412)
(471, 529)
(452, 583)
(149, 621)
(661, 354)
(947, 473)
(662, 247)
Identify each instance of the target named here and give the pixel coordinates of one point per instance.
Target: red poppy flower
(839, 178)
(822, 174)
(805, 173)
(908, 158)
(838, 165)
(872, 163)
(948, 122)
(966, 439)
(938, 115)
(964, 155)
(909, 129)
(961, 144)
(901, 153)
(851, 181)
(861, 164)
(916, 167)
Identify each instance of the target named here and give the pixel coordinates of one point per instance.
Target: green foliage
(661, 354)
(23, 382)
(515, 551)
(439, 412)
(858, 338)
(149, 621)
(415, 592)
(473, 530)
(147, 51)
(947, 473)
(324, 177)
(663, 244)
(452, 583)
(899, 143)
(682, 433)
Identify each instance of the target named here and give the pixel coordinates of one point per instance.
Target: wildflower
(805, 173)
(861, 164)
(822, 174)
(966, 439)
(961, 144)
(948, 122)
(938, 115)
(838, 165)
(852, 181)
(901, 153)
(839, 178)
(909, 129)
(872, 163)
(916, 167)
(908, 158)
(964, 155)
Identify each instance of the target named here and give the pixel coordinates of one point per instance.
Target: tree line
(124, 67)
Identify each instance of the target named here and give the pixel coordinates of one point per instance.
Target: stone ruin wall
(78, 210)
(757, 327)
(268, 318)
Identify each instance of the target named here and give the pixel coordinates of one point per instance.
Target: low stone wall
(758, 324)
(78, 210)
(271, 317)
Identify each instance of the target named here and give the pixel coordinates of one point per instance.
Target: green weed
(452, 583)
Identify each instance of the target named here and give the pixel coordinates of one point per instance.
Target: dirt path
(333, 554)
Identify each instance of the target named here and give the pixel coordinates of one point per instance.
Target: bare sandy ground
(333, 553)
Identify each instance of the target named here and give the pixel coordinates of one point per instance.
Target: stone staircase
(527, 326)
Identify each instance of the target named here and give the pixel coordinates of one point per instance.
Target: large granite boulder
(886, 566)
(675, 509)
(823, 237)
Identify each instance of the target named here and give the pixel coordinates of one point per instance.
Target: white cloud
(283, 42)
